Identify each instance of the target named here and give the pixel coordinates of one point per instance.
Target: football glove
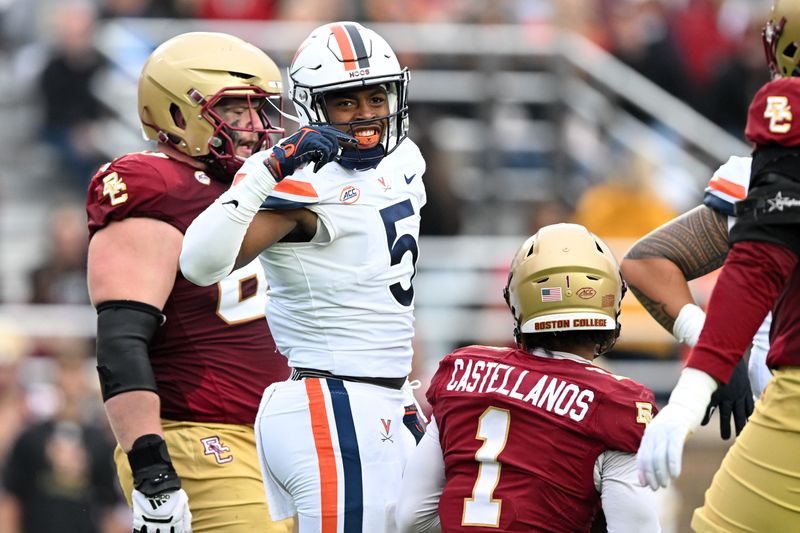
(319, 144)
(661, 450)
(412, 422)
(736, 399)
(160, 505)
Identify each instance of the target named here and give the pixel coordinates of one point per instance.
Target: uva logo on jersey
(349, 195)
(387, 426)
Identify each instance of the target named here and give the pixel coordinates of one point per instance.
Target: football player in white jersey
(338, 241)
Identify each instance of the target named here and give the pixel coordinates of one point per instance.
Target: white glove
(661, 450)
(689, 324)
(166, 512)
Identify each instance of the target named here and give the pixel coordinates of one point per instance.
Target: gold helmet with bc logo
(187, 76)
(564, 278)
(781, 36)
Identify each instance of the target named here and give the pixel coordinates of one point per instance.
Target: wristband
(151, 466)
(689, 324)
(692, 394)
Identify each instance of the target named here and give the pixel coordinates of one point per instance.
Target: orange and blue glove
(317, 144)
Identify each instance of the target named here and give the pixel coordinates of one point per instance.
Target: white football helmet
(344, 55)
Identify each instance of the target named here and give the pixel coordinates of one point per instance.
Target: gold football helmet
(185, 77)
(564, 278)
(781, 36)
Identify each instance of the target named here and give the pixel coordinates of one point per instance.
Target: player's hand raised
(317, 144)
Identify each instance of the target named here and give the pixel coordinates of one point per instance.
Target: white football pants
(333, 452)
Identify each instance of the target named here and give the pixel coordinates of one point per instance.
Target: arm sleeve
(211, 245)
(751, 280)
(629, 507)
(423, 481)
(213, 239)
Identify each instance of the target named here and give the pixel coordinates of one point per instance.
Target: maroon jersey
(520, 436)
(755, 276)
(214, 355)
(761, 272)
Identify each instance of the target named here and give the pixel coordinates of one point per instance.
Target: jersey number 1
(482, 509)
(399, 246)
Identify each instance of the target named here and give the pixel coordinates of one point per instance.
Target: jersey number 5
(482, 509)
(398, 247)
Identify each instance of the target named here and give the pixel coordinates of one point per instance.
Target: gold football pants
(219, 470)
(757, 487)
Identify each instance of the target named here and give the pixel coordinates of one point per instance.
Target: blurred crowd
(54, 462)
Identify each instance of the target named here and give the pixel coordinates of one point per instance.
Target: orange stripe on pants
(329, 498)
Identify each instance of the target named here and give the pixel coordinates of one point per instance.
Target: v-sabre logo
(409, 179)
(387, 427)
(349, 195)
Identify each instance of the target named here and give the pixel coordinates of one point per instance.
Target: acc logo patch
(349, 195)
(586, 293)
(202, 177)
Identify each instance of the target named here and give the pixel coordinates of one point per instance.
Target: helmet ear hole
(790, 50)
(177, 116)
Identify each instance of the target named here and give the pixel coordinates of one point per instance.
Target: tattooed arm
(659, 265)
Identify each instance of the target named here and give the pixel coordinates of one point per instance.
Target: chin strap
(359, 159)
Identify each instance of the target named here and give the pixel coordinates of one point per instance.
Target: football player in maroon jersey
(537, 438)
(755, 488)
(183, 367)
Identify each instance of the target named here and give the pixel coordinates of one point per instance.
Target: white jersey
(344, 302)
(729, 185)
